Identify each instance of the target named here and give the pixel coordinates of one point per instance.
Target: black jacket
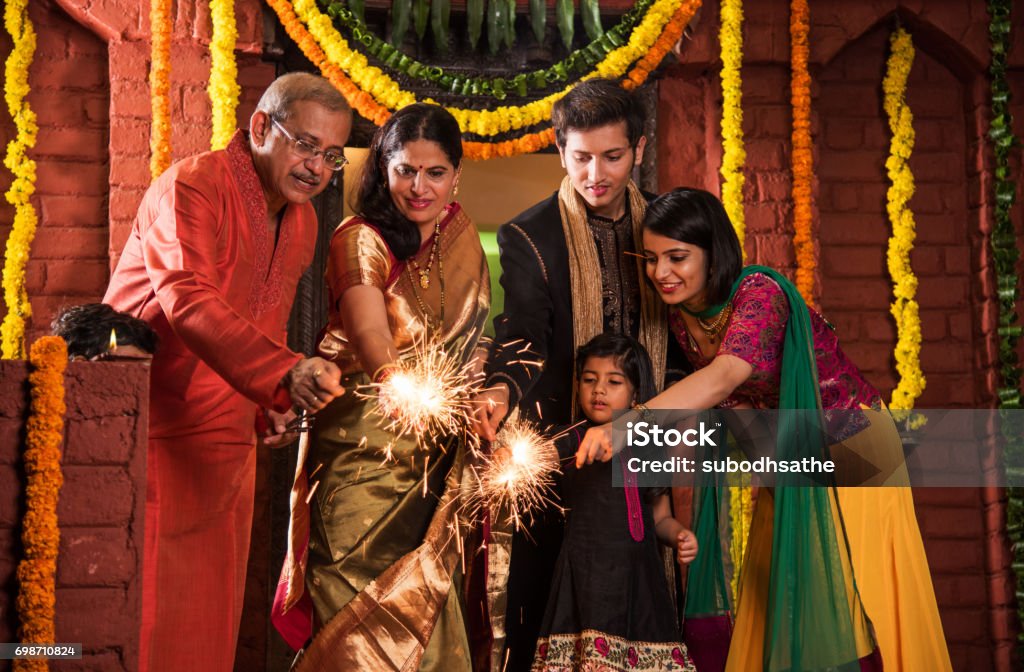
(538, 314)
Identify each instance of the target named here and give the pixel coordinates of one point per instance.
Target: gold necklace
(428, 315)
(713, 329)
(425, 272)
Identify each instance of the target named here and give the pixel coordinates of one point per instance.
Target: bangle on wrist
(646, 414)
(384, 372)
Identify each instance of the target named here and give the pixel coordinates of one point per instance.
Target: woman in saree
(382, 568)
(754, 343)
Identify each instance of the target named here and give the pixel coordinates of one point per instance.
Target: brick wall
(100, 509)
(70, 94)
(90, 90)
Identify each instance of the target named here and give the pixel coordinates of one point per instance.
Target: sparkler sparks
(518, 477)
(426, 395)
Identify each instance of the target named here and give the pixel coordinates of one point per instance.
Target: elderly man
(215, 253)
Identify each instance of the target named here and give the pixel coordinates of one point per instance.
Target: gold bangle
(646, 414)
(383, 371)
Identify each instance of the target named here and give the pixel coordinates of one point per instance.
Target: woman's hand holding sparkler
(427, 394)
(313, 383)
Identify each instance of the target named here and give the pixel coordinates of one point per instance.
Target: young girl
(609, 607)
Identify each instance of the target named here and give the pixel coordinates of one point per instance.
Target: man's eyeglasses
(332, 160)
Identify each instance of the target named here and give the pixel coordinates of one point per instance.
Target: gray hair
(295, 87)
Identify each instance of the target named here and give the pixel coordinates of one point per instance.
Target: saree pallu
(383, 568)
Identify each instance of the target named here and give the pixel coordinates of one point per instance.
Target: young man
(212, 263)
(569, 272)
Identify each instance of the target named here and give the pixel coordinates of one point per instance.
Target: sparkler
(426, 395)
(517, 479)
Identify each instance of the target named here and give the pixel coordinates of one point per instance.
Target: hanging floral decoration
(802, 158)
(394, 62)
(904, 308)
(734, 156)
(40, 535)
(23, 228)
(375, 95)
(160, 87)
(223, 88)
(1006, 253)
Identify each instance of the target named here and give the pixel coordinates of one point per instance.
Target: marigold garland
(223, 88)
(40, 534)
(374, 95)
(23, 229)
(741, 513)
(802, 158)
(734, 156)
(160, 87)
(904, 308)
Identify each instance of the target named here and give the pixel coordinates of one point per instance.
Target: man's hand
(277, 433)
(313, 383)
(686, 547)
(489, 410)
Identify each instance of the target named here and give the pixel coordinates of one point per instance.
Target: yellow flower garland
(23, 229)
(802, 159)
(741, 512)
(385, 91)
(904, 308)
(160, 87)
(734, 156)
(223, 88)
(40, 534)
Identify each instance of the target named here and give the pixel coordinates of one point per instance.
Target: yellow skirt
(889, 563)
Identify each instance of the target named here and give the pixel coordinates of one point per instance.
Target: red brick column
(100, 511)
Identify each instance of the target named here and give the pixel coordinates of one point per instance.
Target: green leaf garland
(519, 84)
(1006, 253)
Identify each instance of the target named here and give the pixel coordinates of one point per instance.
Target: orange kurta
(202, 269)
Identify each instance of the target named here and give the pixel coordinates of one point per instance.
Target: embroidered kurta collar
(267, 260)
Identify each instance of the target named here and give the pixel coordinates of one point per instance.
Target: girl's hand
(596, 445)
(686, 547)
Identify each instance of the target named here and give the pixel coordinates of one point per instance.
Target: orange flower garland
(365, 104)
(802, 159)
(673, 31)
(40, 534)
(160, 87)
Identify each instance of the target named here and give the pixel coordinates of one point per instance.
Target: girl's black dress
(609, 606)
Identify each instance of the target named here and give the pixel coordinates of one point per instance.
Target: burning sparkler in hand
(426, 395)
(518, 477)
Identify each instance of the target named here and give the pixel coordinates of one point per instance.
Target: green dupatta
(809, 621)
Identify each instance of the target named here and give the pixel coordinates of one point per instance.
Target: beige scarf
(587, 302)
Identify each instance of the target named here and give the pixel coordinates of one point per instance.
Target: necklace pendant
(424, 280)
